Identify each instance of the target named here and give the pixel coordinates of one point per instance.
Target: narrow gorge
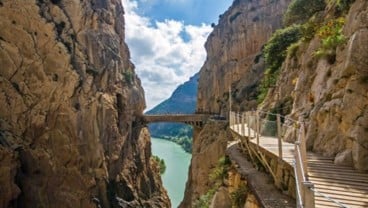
(73, 132)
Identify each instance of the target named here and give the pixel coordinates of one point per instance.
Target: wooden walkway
(339, 183)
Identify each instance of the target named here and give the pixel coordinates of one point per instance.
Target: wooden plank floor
(340, 183)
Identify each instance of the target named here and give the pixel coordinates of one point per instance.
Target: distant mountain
(183, 100)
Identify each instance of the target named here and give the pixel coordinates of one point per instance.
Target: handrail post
(243, 123)
(305, 188)
(236, 121)
(231, 119)
(279, 136)
(248, 125)
(308, 197)
(234, 118)
(255, 124)
(299, 173)
(303, 148)
(239, 122)
(257, 127)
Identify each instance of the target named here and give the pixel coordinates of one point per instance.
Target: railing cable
(237, 119)
(329, 198)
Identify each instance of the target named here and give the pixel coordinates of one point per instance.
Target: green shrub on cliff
(342, 6)
(239, 195)
(217, 177)
(204, 201)
(219, 173)
(161, 163)
(331, 37)
(275, 53)
(299, 11)
(275, 50)
(129, 77)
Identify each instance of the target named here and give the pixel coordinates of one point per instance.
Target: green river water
(177, 162)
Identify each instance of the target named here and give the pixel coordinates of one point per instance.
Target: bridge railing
(255, 124)
(260, 125)
(305, 194)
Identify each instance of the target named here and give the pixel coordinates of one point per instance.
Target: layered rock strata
(70, 104)
(234, 54)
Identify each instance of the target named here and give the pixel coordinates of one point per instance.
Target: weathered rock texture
(208, 146)
(232, 49)
(332, 98)
(70, 106)
(221, 198)
(233, 54)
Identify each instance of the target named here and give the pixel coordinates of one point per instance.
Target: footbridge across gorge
(191, 119)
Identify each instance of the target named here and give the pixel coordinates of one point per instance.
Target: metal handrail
(294, 164)
(300, 160)
(275, 114)
(298, 189)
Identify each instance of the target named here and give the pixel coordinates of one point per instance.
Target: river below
(177, 163)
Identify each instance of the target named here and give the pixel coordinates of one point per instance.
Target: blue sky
(166, 40)
(193, 12)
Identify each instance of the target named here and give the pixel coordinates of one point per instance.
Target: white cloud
(162, 57)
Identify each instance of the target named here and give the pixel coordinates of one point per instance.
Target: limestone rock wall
(233, 53)
(332, 97)
(233, 59)
(70, 105)
(209, 144)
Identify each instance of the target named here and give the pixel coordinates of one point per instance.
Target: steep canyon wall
(70, 104)
(331, 96)
(234, 53)
(233, 58)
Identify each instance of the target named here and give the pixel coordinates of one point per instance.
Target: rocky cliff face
(332, 96)
(234, 53)
(328, 92)
(70, 104)
(209, 144)
(233, 58)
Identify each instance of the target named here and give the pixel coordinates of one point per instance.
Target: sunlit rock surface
(70, 104)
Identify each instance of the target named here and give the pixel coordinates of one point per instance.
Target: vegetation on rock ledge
(275, 53)
(217, 178)
(238, 196)
(331, 37)
(161, 163)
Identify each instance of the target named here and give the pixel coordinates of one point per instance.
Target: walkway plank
(340, 183)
